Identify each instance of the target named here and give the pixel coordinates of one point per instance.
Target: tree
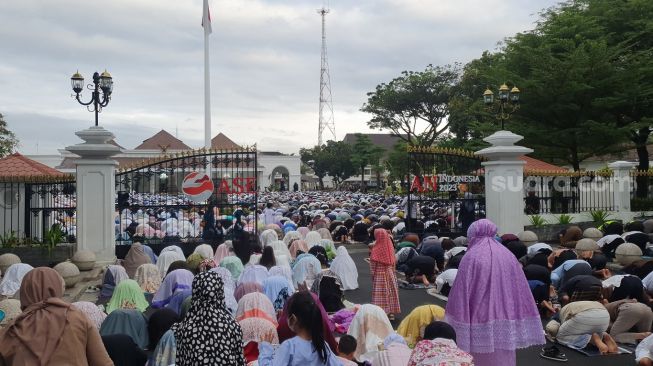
(414, 106)
(317, 160)
(397, 163)
(365, 153)
(338, 157)
(8, 141)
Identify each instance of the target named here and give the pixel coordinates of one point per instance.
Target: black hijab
(123, 351)
(159, 323)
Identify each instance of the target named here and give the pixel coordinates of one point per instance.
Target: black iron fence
(191, 197)
(37, 209)
(568, 192)
(447, 190)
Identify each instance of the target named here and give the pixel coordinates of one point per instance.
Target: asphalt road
(410, 299)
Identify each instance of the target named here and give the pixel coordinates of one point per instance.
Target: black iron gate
(446, 191)
(203, 196)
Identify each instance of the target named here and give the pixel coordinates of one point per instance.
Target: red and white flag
(206, 18)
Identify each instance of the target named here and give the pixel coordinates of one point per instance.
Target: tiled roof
(17, 165)
(163, 140)
(221, 141)
(535, 164)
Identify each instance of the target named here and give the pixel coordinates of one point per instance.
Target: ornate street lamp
(505, 105)
(102, 84)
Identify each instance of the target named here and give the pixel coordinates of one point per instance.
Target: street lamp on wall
(504, 106)
(102, 88)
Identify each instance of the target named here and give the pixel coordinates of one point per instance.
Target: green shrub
(537, 220)
(564, 219)
(599, 216)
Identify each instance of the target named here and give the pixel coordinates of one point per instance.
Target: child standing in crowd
(308, 347)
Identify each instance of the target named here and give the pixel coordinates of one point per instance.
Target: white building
(275, 170)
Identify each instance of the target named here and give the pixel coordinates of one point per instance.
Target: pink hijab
(220, 252)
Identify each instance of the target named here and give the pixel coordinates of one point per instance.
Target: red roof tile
(535, 164)
(17, 165)
(163, 141)
(222, 142)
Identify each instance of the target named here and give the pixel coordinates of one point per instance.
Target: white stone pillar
(621, 184)
(504, 177)
(96, 193)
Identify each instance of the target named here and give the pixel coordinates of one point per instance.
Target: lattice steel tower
(326, 104)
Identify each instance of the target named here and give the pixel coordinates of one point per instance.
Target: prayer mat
(592, 351)
(433, 292)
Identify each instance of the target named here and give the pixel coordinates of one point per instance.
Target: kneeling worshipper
(278, 290)
(328, 287)
(50, 331)
(135, 257)
(166, 259)
(92, 312)
(492, 327)
(256, 305)
(234, 265)
(123, 351)
(159, 323)
(370, 327)
(582, 323)
(253, 273)
(245, 288)
(208, 334)
(343, 266)
(148, 278)
(204, 250)
(112, 278)
(127, 295)
(421, 268)
(412, 327)
(305, 269)
(177, 280)
(445, 280)
(308, 347)
(256, 331)
(439, 348)
(127, 321)
(630, 320)
(395, 352)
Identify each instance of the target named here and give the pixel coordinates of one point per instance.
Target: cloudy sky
(265, 62)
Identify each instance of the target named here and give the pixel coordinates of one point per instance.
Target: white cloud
(265, 59)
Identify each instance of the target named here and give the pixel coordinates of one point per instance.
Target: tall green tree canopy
(332, 158)
(8, 141)
(414, 106)
(365, 153)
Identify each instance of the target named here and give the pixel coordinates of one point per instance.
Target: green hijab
(127, 295)
(233, 265)
(194, 261)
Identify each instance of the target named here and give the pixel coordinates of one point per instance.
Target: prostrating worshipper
(445, 280)
(12, 279)
(640, 268)
(256, 305)
(204, 250)
(112, 278)
(630, 320)
(284, 271)
(278, 289)
(422, 269)
(255, 331)
(281, 249)
(305, 269)
(346, 350)
(570, 236)
(135, 257)
(626, 287)
(234, 265)
(644, 352)
(539, 281)
(123, 351)
(412, 326)
(343, 266)
(395, 352)
(384, 281)
(267, 259)
(150, 253)
(432, 247)
(402, 256)
(328, 287)
(245, 288)
(148, 278)
(178, 265)
(267, 237)
(359, 232)
(159, 323)
(321, 254)
(312, 239)
(208, 334)
(370, 327)
(92, 312)
(439, 348)
(292, 236)
(579, 288)
(308, 347)
(50, 331)
(569, 268)
(127, 321)
(127, 295)
(177, 280)
(491, 327)
(582, 323)
(166, 259)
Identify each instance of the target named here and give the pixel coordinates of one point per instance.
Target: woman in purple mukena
(490, 304)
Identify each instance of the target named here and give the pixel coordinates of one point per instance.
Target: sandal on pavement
(553, 353)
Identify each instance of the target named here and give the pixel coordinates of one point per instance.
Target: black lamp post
(101, 82)
(505, 105)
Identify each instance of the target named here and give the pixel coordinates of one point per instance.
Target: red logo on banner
(198, 187)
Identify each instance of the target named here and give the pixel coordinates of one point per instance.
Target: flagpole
(207, 94)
